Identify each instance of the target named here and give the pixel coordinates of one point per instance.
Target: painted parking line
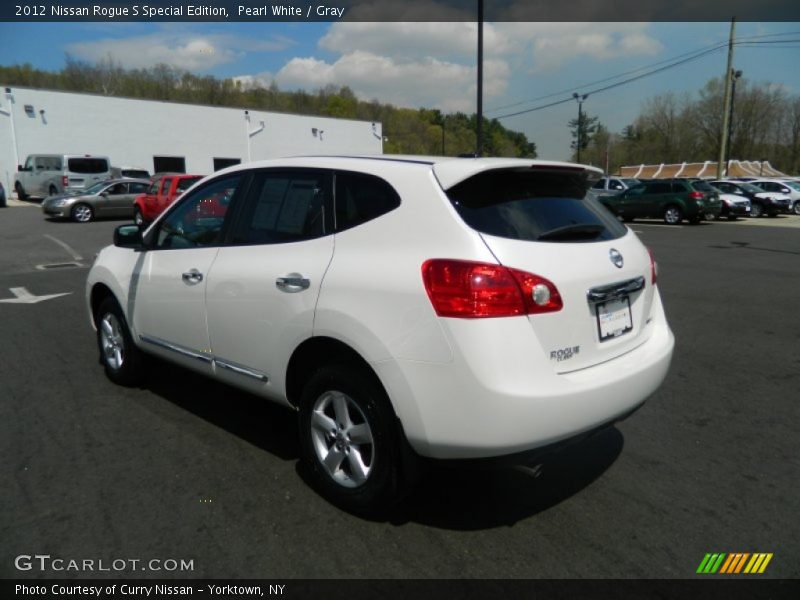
(65, 246)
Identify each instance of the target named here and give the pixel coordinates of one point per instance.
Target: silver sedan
(111, 198)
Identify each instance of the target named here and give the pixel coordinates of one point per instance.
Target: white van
(50, 174)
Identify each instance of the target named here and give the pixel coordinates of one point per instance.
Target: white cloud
(425, 82)
(182, 50)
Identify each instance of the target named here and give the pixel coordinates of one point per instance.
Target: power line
(698, 53)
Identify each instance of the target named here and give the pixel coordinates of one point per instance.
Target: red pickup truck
(163, 191)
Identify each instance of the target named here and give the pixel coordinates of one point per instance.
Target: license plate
(614, 318)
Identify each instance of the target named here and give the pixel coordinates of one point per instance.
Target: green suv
(670, 199)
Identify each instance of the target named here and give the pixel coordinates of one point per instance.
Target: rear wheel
(138, 218)
(349, 440)
(732, 217)
(672, 215)
(52, 191)
(122, 360)
(82, 213)
(796, 208)
(20, 191)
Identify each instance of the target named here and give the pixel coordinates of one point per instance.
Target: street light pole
(579, 99)
(734, 76)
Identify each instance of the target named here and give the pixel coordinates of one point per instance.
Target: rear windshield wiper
(581, 231)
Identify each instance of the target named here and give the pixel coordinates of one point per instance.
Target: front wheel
(82, 213)
(122, 360)
(796, 208)
(673, 215)
(20, 191)
(348, 439)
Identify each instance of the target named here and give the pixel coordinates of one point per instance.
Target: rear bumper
(510, 405)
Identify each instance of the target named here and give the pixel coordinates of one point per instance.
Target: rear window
(87, 165)
(527, 205)
(185, 184)
(701, 186)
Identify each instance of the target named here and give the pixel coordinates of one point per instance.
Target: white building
(164, 136)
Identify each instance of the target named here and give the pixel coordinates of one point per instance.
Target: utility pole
(579, 99)
(479, 147)
(726, 109)
(736, 75)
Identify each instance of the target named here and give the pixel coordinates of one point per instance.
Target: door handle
(294, 282)
(192, 276)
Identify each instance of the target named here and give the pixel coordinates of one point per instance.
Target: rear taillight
(653, 267)
(64, 180)
(472, 290)
(696, 195)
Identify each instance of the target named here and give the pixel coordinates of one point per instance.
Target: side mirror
(20, 168)
(128, 236)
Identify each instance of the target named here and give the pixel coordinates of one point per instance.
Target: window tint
(701, 186)
(185, 184)
(528, 205)
(197, 220)
(165, 185)
(599, 184)
(361, 198)
(658, 187)
(138, 188)
(285, 206)
(119, 188)
(87, 165)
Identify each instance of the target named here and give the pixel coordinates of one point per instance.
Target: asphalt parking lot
(183, 468)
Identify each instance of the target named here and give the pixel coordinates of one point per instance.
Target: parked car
(2, 196)
(610, 186)
(405, 307)
(50, 174)
(782, 187)
(164, 189)
(761, 202)
(733, 205)
(112, 198)
(669, 199)
(130, 173)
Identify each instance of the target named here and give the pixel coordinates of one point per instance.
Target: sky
(433, 65)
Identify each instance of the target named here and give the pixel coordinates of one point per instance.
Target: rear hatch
(539, 219)
(83, 172)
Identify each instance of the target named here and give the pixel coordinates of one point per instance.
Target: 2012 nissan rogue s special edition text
(449, 308)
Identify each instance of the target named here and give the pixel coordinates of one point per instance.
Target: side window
(616, 185)
(165, 185)
(360, 198)
(284, 206)
(138, 188)
(29, 163)
(153, 189)
(117, 189)
(197, 221)
(599, 184)
(41, 163)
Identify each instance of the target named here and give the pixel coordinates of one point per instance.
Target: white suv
(449, 308)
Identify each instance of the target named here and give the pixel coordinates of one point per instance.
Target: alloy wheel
(112, 341)
(342, 439)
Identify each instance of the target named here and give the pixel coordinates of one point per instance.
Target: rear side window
(87, 165)
(658, 187)
(532, 205)
(361, 198)
(284, 207)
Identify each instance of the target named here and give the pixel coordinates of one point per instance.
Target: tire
(672, 215)
(695, 220)
(122, 360)
(341, 404)
(756, 210)
(138, 217)
(20, 191)
(732, 217)
(82, 213)
(713, 217)
(52, 191)
(796, 208)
